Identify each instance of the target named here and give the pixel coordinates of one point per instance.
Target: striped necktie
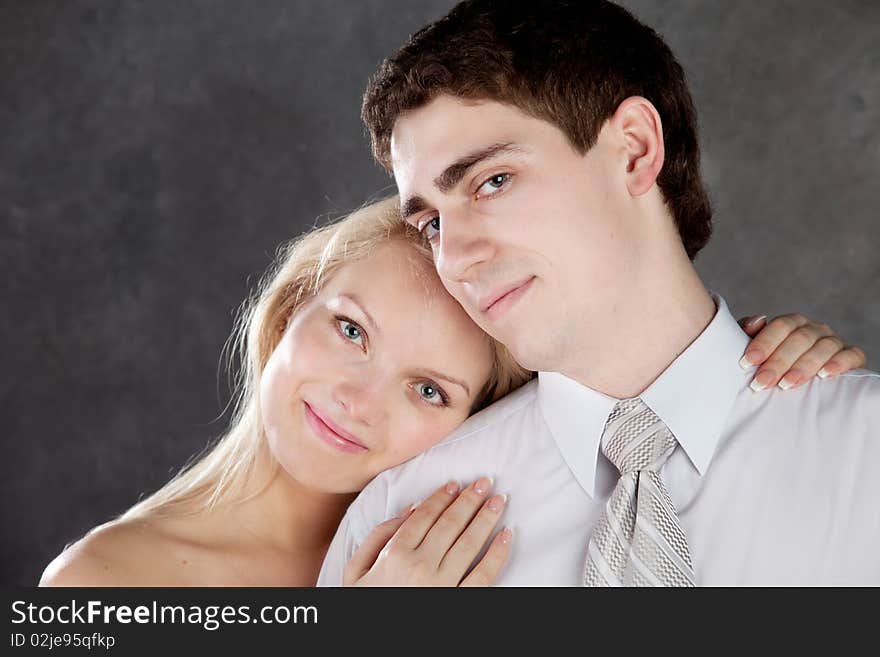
(638, 540)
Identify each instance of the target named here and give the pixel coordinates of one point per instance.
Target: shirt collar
(693, 396)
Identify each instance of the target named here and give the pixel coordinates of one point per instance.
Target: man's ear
(642, 132)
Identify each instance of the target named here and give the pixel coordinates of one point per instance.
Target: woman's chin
(321, 478)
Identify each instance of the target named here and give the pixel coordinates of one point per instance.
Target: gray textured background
(154, 153)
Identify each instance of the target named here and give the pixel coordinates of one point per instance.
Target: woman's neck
(287, 517)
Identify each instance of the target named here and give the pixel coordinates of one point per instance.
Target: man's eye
(431, 229)
(493, 184)
(350, 330)
(431, 393)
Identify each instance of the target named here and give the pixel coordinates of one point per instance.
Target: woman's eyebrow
(353, 298)
(434, 374)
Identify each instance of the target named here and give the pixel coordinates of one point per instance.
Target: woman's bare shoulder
(134, 552)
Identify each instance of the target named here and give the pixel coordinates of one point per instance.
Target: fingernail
(749, 358)
(757, 319)
(452, 487)
(824, 373)
(482, 485)
(787, 382)
(497, 502)
(506, 535)
(761, 381)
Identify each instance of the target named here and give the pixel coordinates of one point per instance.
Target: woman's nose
(363, 399)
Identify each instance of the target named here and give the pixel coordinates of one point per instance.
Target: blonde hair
(299, 272)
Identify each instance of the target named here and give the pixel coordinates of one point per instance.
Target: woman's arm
(792, 349)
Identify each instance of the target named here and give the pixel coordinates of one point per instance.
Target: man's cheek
(464, 300)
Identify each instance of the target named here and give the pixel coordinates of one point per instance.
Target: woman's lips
(330, 433)
(500, 305)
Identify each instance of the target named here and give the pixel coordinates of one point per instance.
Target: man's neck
(665, 314)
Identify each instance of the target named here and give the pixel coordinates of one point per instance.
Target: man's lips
(331, 432)
(491, 301)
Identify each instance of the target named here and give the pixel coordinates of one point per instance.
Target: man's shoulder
(826, 416)
(859, 390)
(493, 417)
(860, 377)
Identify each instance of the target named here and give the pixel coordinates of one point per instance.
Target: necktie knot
(638, 539)
(635, 439)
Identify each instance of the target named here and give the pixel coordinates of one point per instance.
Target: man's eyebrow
(453, 174)
(437, 375)
(354, 299)
(413, 205)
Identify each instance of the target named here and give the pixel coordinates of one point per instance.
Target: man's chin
(525, 346)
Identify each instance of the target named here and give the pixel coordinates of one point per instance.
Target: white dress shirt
(772, 488)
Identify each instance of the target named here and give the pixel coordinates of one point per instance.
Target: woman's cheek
(283, 374)
(309, 349)
(274, 387)
(422, 431)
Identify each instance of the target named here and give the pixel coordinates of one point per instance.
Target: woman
(354, 359)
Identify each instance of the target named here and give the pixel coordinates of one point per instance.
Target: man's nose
(362, 397)
(464, 247)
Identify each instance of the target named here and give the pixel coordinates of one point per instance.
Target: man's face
(535, 240)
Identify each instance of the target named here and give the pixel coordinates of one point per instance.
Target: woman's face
(373, 370)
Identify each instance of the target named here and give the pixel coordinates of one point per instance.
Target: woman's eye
(350, 331)
(431, 229)
(493, 184)
(432, 394)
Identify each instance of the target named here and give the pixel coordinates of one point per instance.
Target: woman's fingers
(850, 358)
(454, 520)
(780, 345)
(490, 565)
(409, 549)
(422, 519)
(472, 540)
(791, 349)
(770, 338)
(752, 324)
(809, 364)
(365, 556)
(828, 357)
(796, 344)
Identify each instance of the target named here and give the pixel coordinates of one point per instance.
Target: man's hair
(568, 62)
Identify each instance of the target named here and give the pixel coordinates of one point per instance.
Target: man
(548, 152)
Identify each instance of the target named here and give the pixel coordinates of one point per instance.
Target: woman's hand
(792, 349)
(434, 543)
